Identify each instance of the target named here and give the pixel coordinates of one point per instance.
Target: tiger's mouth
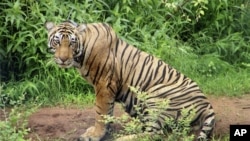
(64, 64)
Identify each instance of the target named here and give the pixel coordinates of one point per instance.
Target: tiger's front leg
(104, 106)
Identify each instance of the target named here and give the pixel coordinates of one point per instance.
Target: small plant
(133, 126)
(180, 130)
(14, 125)
(13, 121)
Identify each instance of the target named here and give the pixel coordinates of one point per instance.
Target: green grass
(77, 100)
(192, 37)
(232, 83)
(213, 75)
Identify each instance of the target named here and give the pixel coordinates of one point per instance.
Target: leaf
(202, 12)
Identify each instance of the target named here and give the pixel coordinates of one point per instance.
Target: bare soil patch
(57, 123)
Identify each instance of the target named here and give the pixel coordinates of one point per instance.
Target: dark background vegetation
(208, 40)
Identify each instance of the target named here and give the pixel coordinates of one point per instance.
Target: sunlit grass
(80, 100)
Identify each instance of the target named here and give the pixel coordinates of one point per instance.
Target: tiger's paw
(92, 135)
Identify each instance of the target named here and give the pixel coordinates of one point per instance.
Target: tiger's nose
(63, 58)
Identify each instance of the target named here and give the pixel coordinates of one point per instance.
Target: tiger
(112, 66)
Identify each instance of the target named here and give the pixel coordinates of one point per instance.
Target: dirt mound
(67, 124)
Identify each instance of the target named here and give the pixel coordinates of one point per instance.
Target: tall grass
(206, 40)
(56, 86)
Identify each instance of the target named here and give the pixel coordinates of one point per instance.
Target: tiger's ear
(81, 27)
(49, 25)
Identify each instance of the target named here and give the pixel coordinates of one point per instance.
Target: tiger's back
(112, 65)
(160, 81)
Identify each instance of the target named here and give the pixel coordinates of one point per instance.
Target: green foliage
(14, 126)
(70, 88)
(79, 100)
(206, 40)
(229, 83)
(132, 126)
(20, 48)
(226, 33)
(181, 129)
(13, 122)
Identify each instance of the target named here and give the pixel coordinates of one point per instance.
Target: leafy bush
(14, 126)
(200, 22)
(22, 40)
(132, 126)
(13, 122)
(223, 31)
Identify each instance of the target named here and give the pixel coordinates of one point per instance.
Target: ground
(57, 123)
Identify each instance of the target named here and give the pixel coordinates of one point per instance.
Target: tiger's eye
(73, 40)
(57, 41)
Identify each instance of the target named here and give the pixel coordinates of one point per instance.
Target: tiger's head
(65, 40)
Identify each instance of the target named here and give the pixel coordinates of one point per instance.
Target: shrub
(13, 122)
(132, 126)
